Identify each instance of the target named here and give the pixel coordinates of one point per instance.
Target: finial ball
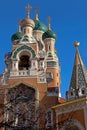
(76, 44)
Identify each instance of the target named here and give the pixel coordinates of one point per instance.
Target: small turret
(49, 33)
(39, 28)
(17, 36)
(78, 82)
(49, 38)
(38, 24)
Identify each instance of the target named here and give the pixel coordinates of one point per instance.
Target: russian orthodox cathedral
(30, 97)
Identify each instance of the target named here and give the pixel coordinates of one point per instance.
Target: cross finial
(19, 27)
(28, 7)
(49, 20)
(36, 10)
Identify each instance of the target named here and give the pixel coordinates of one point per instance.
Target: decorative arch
(73, 125)
(22, 92)
(24, 60)
(22, 82)
(22, 104)
(29, 86)
(23, 48)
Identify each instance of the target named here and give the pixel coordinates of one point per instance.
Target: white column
(17, 65)
(13, 65)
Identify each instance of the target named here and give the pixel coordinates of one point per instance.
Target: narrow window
(83, 92)
(49, 47)
(71, 93)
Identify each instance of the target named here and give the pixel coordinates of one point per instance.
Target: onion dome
(49, 33)
(16, 36)
(38, 24)
(27, 22)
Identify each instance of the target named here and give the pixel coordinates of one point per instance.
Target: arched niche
(72, 124)
(21, 105)
(23, 48)
(21, 57)
(24, 60)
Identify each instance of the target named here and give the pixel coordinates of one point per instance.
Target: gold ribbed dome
(27, 22)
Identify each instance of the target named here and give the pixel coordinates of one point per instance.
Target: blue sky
(69, 22)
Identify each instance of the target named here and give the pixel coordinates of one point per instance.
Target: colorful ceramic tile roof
(78, 78)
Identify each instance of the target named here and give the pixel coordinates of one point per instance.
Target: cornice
(71, 103)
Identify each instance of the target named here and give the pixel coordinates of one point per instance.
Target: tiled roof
(78, 78)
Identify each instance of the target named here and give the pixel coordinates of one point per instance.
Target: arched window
(24, 62)
(72, 124)
(83, 91)
(21, 107)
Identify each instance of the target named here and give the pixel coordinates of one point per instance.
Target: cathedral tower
(31, 79)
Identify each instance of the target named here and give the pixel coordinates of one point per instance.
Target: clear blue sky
(69, 21)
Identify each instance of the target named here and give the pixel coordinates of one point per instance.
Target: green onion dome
(49, 34)
(40, 26)
(16, 36)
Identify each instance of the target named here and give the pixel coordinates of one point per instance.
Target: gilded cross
(28, 7)
(49, 20)
(19, 27)
(36, 9)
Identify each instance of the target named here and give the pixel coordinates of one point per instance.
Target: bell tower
(32, 73)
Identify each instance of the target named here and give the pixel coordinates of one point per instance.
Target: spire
(78, 78)
(36, 10)
(28, 7)
(49, 20)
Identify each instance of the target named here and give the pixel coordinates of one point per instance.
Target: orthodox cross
(19, 27)
(49, 20)
(28, 7)
(36, 10)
